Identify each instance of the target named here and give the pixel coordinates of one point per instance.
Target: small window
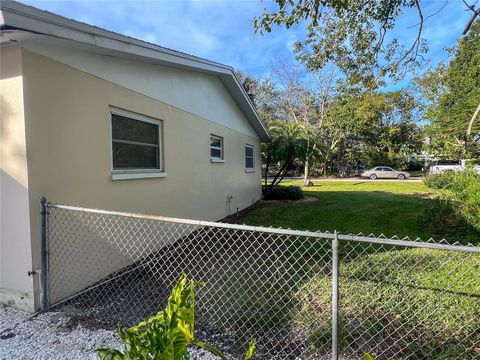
(136, 143)
(216, 148)
(249, 157)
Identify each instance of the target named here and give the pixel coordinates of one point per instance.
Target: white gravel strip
(46, 336)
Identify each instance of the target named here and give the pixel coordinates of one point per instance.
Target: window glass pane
(249, 151)
(249, 163)
(216, 153)
(216, 142)
(128, 156)
(127, 129)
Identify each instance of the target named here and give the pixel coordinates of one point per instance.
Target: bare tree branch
(416, 44)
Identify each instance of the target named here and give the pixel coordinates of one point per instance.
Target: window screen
(249, 157)
(135, 143)
(216, 147)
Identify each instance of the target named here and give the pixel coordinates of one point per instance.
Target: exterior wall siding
(15, 249)
(69, 150)
(184, 89)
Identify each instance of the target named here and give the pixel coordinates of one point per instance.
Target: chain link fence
(301, 295)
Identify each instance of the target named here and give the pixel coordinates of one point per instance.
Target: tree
(306, 99)
(452, 99)
(287, 143)
(352, 34)
(378, 128)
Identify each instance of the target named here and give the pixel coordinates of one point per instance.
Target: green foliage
(428, 313)
(439, 181)
(465, 194)
(350, 34)
(166, 335)
(415, 165)
(452, 94)
(461, 192)
(380, 128)
(442, 219)
(289, 141)
(284, 193)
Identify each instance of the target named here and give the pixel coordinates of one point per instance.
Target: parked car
(441, 166)
(385, 172)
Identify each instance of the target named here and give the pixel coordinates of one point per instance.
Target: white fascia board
(32, 19)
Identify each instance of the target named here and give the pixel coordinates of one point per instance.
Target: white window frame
(125, 174)
(252, 169)
(220, 159)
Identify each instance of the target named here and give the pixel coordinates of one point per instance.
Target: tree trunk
(327, 156)
(267, 164)
(285, 173)
(470, 123)
(306, 175)
(272, 185)
(426, 163)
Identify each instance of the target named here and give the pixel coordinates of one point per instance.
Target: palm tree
(288, 140)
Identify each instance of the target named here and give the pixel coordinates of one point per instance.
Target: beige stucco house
(96, 119)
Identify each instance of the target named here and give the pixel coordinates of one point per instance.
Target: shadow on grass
(277, 289)
(367, 212)
(416, 304)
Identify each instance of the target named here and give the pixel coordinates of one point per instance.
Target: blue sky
(222, 30)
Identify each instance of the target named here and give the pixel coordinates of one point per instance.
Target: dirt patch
(238, 218)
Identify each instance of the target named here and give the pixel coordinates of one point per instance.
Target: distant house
(96, 119)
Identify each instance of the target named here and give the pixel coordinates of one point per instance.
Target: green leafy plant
(440, 181)
(460, 191)
(166, 335)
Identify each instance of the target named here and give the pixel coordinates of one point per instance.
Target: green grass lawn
(394, 302)
(389, 208)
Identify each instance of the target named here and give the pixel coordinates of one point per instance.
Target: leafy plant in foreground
(166, 335)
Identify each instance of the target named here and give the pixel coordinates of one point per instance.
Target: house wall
(198, 93)
(68, 149)
(15, 251)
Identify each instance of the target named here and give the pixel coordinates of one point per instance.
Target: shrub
(415, 165)
(166, 335)
(284, 193)
(442, 219)
(440, 181)
(465, 193)
(462, 191)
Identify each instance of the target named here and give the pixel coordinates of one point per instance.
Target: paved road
(417, 179)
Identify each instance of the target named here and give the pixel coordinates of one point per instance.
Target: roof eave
(24, 17)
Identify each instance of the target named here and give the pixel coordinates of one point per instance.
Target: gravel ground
(56, 336)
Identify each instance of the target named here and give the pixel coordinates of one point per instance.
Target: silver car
(385, 172)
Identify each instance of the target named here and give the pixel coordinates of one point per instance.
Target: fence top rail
(405, 242)
(273, 230)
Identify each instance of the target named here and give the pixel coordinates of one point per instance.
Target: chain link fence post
(44, 301)
(335, 282)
